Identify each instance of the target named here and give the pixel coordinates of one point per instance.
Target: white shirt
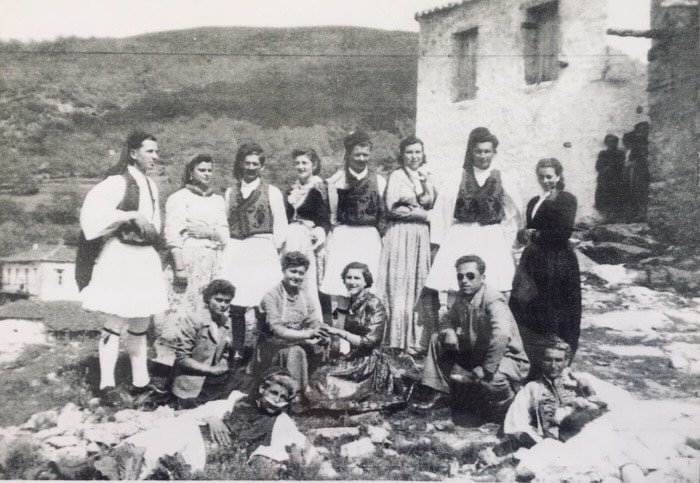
(543, 197)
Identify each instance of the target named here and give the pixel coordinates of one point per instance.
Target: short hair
(366, 274)
(312, 155)
(189, 167)
(480, 265)
(294, 259)
(557, 343)
(554, 164)
(247, 149)
(412, 139)
(218, 286)
(281, 376)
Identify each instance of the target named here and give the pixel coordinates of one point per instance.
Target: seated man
(210, 350)
(556, 405)
(478, 346)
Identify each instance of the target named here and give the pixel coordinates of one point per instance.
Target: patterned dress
(367, 378)
(201, 256)
(405, 259)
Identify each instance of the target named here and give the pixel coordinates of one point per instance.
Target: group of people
(622, 191)
(343, 283)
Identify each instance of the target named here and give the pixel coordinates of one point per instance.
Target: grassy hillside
(65, 107)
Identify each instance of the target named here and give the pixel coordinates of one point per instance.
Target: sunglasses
(469, 276)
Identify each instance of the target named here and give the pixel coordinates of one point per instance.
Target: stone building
(543, 75)
(674, 107)
(46, 272)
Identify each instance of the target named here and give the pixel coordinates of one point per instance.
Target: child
(210, 350)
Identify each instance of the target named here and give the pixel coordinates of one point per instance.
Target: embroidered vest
(249, 216)
(360, 203)
(480, 204)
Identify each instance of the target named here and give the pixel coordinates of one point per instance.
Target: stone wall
(674, 104)
(598, 91)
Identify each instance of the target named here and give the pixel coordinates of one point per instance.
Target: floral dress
(367, 378)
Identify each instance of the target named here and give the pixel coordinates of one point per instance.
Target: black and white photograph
(402, 240)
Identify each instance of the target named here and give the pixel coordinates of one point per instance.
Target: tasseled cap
(355, 138)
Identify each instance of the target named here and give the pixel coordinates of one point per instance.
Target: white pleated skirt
(350, 244)
(488, 242)
(127, 280)
(253, 266)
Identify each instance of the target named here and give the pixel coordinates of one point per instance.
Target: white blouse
(99, 215)
(184, 208)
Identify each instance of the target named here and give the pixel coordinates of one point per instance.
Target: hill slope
(271, 77)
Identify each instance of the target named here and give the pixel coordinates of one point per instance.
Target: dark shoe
(148, 388)
(111, 397)
(436, 399)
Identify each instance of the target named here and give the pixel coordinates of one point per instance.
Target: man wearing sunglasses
(477, 355)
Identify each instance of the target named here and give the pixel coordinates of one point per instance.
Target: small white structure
(46, 272)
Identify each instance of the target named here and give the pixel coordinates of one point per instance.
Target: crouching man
(210, 351)
(477, 352)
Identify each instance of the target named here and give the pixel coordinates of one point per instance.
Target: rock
(617, 274)
(684, 356)
(584, 262)
(102, 433)
(444, 425)
(684, 280)
(93, 448)
(377, 434)
(49, 433)
(428, 476)
(357, 450)
(334, 433)
(677, 470)
(633, 350)
(623, 233)
(93, 402)
(355, 470)
(51, 377)
(125, 415)
(687, 317)
(71, 454)
(63, 441)
(326, 471)
(464, 438)
(370, 417)
(322, 450)
(614, 253)
(390, 452)
(69, 417)
(429, 427)
(643, 321)
(42, 420)
(454, 468)
(401, 442)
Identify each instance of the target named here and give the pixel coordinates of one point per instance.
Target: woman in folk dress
(196, 231)
(127, 281)
(308, 214)
(405, 260)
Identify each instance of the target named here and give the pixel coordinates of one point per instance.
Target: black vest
(360, 203)
(249, 216)
(480, 204)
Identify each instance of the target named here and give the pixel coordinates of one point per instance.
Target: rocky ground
(640, 336)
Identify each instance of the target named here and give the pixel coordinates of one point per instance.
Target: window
(465, 61)
(541, 43)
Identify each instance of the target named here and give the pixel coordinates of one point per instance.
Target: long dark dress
(610, 189)
(546, 297)
(367, 378)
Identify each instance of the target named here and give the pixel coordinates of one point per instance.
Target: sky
(48, 19)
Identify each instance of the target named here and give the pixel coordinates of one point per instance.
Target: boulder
(63, 441)
(334, 433)
(357, 450)
(643, 321)
(684, 356)
(70, 417)
(42, 420)
(633, 350)
(614, 253)
(633, 234)
(684, 280)
(326, 471)
(617, 274)
(378, 434)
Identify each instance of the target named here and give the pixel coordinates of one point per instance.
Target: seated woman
(292, 336)
(365, 378)
(210, 349)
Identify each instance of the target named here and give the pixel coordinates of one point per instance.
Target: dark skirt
(546, 296)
